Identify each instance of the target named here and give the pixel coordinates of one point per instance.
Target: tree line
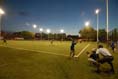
(27, 35)
(87, 33)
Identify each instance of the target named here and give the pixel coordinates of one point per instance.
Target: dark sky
(69, 15)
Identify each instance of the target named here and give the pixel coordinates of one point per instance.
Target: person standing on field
(4, 41)
(72, 48)
(113, 46)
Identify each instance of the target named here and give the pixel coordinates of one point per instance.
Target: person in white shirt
(107, 57)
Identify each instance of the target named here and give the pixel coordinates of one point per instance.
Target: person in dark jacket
(4, 41)
(72, 48)
(92, 57)
(113, 46)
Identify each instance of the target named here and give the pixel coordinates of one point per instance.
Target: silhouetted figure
(113, 46)
(51, 42)
(72, 48)
(4, 41)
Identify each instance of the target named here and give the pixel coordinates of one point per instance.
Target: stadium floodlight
(1, 13)
(97, 13)
(41, 29)
(87, 23)
(34, 26)
(61, 31)
(48, 30)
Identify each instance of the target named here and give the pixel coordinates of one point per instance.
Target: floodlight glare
(87, 23)
(34, 26)
(48, 30)
(1, 11)
(97, 11)
(61, 31)
(41, 29)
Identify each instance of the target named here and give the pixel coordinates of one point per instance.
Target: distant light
(48, 30)
(87, 23)
(1, 11)
(34, 26)
(41, 29)
(97, 11)
(61, 31)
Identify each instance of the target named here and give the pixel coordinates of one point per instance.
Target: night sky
(69, 15)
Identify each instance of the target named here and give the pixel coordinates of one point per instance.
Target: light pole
(62, 31)
(79, 35)
(87, 25)
(41, 30)
(1, 13)
(48, 31)
(107, 20)
(34, 26)
(97, 13)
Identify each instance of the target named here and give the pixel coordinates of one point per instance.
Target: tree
(114, 34)
(102, 35)
(88, 33)
(27, 35)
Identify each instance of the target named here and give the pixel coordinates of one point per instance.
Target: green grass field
(41, 60)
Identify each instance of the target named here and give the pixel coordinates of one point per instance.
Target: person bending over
(106, 57)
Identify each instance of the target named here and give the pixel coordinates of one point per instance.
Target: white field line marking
(82, 50)
(35, 51)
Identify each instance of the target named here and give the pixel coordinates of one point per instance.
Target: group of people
(95, 58)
